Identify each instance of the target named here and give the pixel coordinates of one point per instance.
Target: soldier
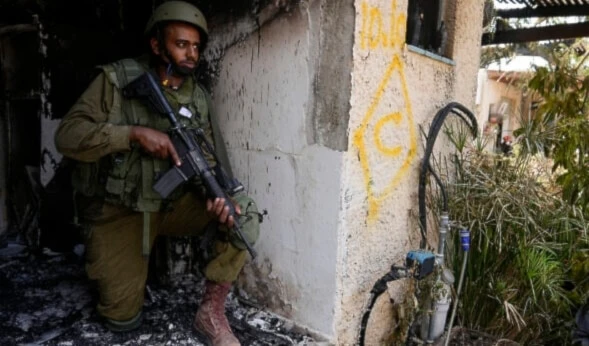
(119, 146)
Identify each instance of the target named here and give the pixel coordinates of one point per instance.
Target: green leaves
(528, 265)
(524, 238)
(559, 125)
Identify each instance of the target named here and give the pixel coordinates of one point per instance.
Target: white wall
(337, 220)
(263, 97)
(494, 92)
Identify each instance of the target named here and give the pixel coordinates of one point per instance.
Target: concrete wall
(321, 107)
(396, 89)
(284, 103)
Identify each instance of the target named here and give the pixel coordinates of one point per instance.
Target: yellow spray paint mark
(370, 143)
(373, 33)
(387, 151)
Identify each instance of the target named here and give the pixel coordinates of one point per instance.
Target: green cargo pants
(114, 258)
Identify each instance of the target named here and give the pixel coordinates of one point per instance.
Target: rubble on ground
(46, 299)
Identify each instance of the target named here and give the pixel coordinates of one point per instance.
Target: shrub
(529, 246)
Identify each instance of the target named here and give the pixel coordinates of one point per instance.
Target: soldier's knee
(227, 264)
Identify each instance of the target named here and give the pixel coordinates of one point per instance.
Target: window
(426, 27)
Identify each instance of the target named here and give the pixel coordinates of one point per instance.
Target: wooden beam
(544, 12)
(554, 32)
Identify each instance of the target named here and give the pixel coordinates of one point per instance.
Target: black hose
(398, 272)
(442, 189)
(463, 113)
(379, 287)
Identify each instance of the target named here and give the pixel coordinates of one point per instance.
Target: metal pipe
(465, 241)
(442, 298)
(444, 222)
(455, 305)
(441, 291)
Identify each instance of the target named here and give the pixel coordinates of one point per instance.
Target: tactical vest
(126, 178)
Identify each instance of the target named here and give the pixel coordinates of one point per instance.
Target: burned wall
(333, 81)
(49, 53)
(20, 122)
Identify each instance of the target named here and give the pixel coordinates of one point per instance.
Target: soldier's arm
(84, 133)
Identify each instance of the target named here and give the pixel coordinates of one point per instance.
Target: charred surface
(46, 299)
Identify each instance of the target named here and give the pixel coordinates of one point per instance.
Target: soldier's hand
(154, 142)
(218, 210)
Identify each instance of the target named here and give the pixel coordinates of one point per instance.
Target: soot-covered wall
(49, 53)
(83, 34)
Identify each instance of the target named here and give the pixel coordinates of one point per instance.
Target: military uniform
(114, 180)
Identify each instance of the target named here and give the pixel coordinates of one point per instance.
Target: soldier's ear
(155, 46)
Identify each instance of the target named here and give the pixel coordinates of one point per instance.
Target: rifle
(189, 145)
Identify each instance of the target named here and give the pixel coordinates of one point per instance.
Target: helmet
(179, 11)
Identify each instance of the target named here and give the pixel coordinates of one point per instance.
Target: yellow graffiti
(374, 35)
(393, 151)
(371, 143)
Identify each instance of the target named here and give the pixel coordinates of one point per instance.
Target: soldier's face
(182, 43)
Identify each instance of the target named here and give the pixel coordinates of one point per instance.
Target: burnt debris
(46, 299)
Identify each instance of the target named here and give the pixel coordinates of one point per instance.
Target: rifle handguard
(189, 149)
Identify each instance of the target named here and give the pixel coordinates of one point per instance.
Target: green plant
(559, 126)
(526, 242)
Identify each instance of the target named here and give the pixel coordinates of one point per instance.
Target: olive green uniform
(114, 180)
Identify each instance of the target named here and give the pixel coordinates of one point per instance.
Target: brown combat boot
(210, 318)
